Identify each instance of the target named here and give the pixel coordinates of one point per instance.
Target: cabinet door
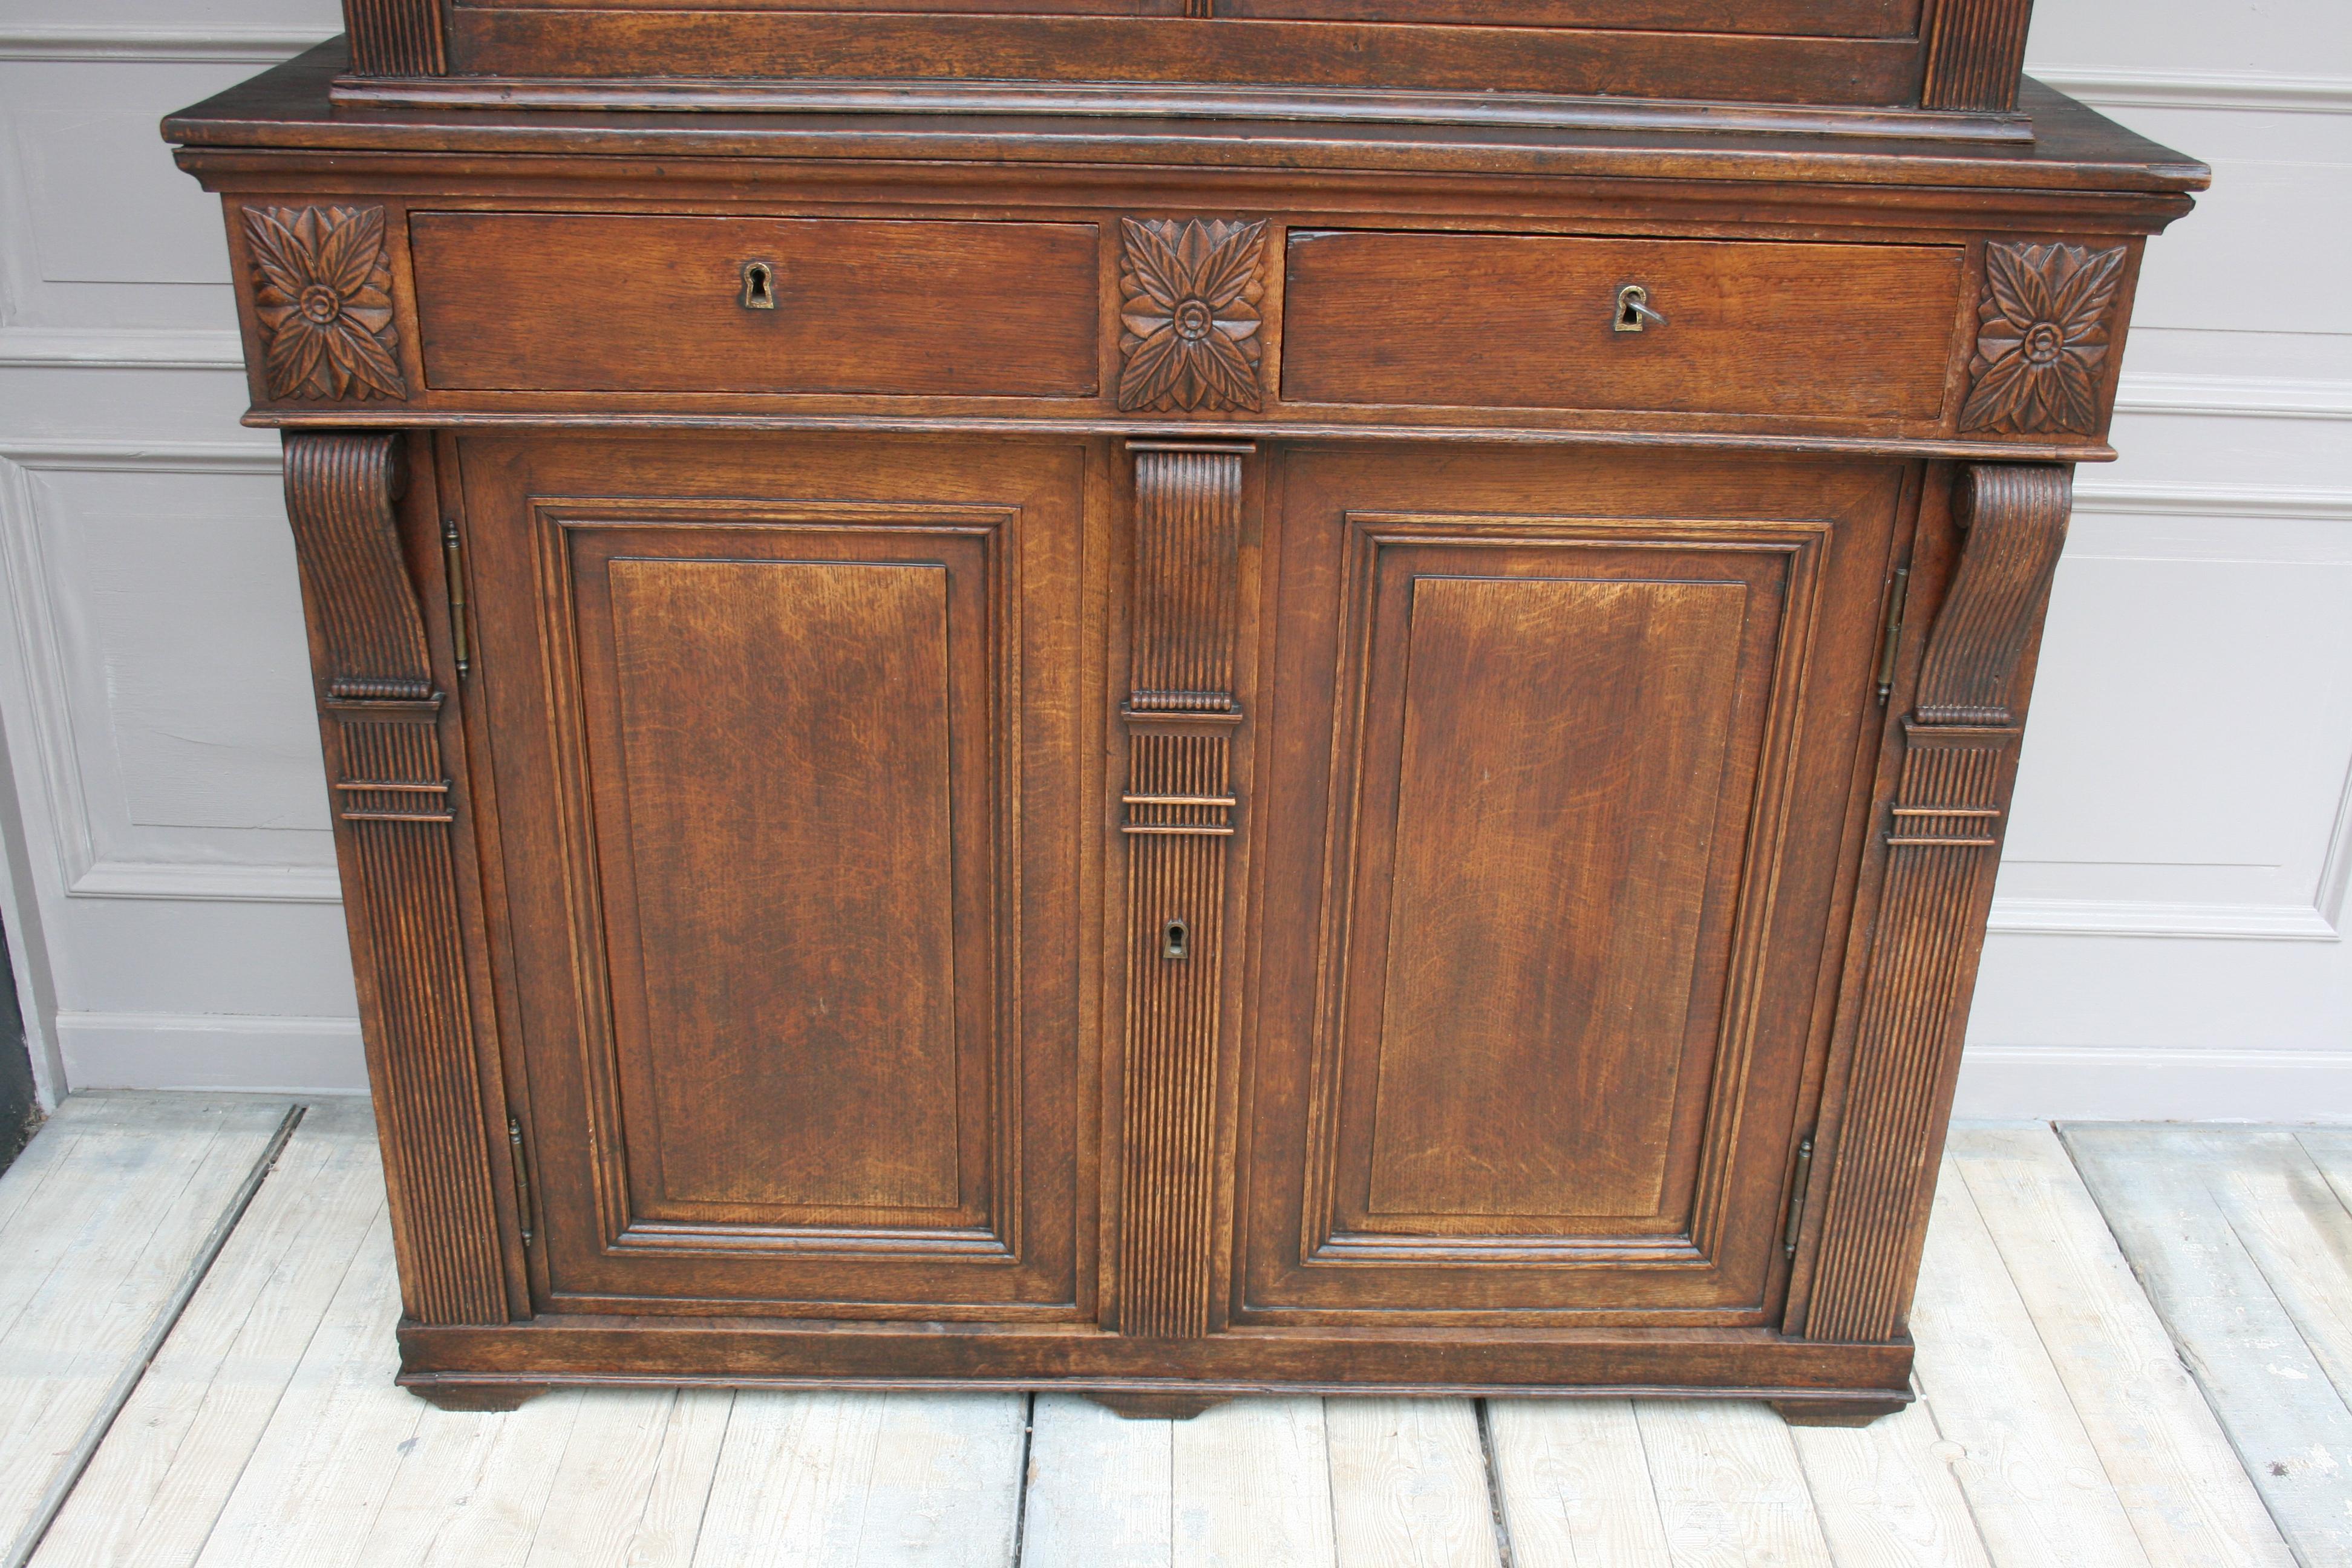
(1560, 758)
(787, 751)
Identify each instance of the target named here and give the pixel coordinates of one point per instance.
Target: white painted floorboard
(2168, 1194)
(2096, 1362)
(103, 1221)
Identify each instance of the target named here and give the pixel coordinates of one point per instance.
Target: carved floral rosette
(1189, 293)
(2043, 337)
(323, 295)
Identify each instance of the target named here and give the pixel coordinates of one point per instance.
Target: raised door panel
(1521, 808)
(787, 749)
(1575, 743)
(772, 756)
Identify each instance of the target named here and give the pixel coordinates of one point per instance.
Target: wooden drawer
(1510, 321)
(595, 302)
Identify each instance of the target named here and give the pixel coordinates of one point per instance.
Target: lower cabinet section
(1177, 917)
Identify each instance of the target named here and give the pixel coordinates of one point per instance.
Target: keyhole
(758, 286)
(1176, 941)
(1633, 311)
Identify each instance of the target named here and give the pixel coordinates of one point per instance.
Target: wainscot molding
(2283, 502)
(224, 46)
(122, 348)
(2236, 397)
(2117, 917)
(212, 1050)
(2269, 92)
(2154, 1083)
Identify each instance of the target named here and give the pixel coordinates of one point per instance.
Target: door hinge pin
(521, 1178)
(1797, 1182)
(453, 569)
(1892, 637)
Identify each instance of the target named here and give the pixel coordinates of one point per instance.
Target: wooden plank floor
(2134, 1350)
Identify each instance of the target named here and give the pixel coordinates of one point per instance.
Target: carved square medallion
(322, 294)
(1189, 293)
(2043, 335)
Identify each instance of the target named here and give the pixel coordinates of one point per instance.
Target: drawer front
(1531, 322)
(564, 303)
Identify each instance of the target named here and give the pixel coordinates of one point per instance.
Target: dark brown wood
(1189, 292)
(1180, 810)
(509, 301)
(1835, 1412)
(1942, 833)
(1538, 974)
(786, 911)
(1518, 320)
(393, 810)
(1974, 49)
(322, 289)
(1878, 60)
(1156, 1406)
(477, 1398)
(1148, 738)
(2043, 333)
(398, 37)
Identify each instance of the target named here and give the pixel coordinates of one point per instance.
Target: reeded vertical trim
(1975, 54)
(1942, 839)
(396, 37)
(393, 823)
(1179, 818)
(1187, 511)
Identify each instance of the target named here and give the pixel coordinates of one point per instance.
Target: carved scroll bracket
(1179, 811)
(393, 821)
(1943, 848)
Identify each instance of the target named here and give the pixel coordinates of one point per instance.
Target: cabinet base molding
(1712, 1363)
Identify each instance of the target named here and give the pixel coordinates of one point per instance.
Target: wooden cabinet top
(1945, 68)
(2071, 153)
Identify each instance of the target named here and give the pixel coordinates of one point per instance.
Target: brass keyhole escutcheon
(1633, 311)
(758, 284)
(1176, 940)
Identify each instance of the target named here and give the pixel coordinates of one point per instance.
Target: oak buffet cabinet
(1172, 696)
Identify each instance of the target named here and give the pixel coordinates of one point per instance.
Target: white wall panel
(175, 707)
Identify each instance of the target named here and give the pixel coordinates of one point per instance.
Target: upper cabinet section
(1936, 67)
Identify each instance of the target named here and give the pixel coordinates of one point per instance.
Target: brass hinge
(1797, 1183)
(1892, 637)
(453, 572)
(521, 1178)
